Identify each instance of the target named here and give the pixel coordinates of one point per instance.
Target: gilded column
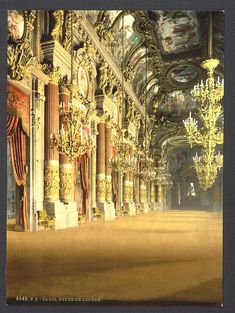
(100, 176)
(152, 194)
(51, 175)
(107, 160)
(160, 196)
(131, 180)
(126, 183)
(143, 195)
(93, 165)
(137, 191)
(66, 166)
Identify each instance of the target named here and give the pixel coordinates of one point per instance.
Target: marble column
(160, 197)
(93, 166)
(56, 209)
(143, 194)
(101, 170)
(100, 165)
(108, 172)
(126, 185)
(136, 190)
(51, 175)
(107, 160)
(152, 194)
(66, 165)
(130, 204)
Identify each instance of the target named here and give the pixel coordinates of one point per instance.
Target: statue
(58, 16)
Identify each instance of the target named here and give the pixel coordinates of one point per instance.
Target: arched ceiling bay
(174, 44)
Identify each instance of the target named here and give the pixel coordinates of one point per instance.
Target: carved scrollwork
(58, 17)
(66, 184)
(108, 190)
(51, 183)
(20, 58)
(52, 71)
(100, 188)
(67, 33)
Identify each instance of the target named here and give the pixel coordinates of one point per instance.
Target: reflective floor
(172, 256)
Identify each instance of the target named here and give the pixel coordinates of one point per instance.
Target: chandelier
(122, 161)
(71, 140)
(163, 175)
(208, 95)
(147, 172)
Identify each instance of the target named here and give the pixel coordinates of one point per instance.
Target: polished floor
(172, 256)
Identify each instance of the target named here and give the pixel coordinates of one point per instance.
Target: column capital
(53, 73)
(64, 90)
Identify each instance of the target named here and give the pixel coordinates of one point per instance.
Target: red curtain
(84, 183)
(17, 139)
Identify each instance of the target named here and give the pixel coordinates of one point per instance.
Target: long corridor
(172, 256)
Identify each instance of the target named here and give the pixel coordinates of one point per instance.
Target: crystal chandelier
(122, 161)
(163, 175)
(147, 172)
(208, 95)
(71, 140)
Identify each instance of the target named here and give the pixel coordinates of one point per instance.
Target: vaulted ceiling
(160, 53)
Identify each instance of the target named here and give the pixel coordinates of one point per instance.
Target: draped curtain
(84, 183)
(17, 140)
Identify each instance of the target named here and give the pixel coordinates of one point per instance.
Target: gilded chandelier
(148, 172)
(71, 140)
(208, 95)
(122, 161)
(163, 175)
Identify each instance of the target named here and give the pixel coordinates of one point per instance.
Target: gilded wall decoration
(143, 193)
(51, 183)
(58, 19)
(66, 184)
(53, 72)
(66, 43)
(100, 189)
(108, 190)
(103, 82)
(20, 58)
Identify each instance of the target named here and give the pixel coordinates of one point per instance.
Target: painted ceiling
(174, 44)
(177, 31)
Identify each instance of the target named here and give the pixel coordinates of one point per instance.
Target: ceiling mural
(177, 31)
(125, 38)
(109, 17)
(141, 76)
(177, 105)
(151, 83)
(176, 46)
(136, 56)
(184, 73)
(92, 15)
(152, 93)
